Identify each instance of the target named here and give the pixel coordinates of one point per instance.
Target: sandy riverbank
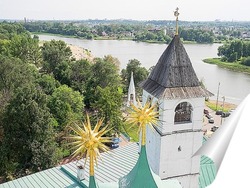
(80, 53)
(77, 52)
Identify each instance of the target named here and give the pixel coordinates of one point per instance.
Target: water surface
(234, 86)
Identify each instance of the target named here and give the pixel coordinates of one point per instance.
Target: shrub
(245, 61)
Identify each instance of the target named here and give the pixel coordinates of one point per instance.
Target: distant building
(246, 35)
(155, 30)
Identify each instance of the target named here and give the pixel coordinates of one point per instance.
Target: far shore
(114, 38)
(235, 66)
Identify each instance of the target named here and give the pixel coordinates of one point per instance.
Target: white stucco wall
(189, 181)
(162, 149)
(153, 146)
(169, 114)
(177, 163)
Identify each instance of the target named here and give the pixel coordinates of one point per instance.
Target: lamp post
(222, 108)
(218, 92)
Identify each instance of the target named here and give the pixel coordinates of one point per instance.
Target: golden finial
(88, 142)
(176, 14)
(142, 116)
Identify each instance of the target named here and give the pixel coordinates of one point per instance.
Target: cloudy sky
(190, 10)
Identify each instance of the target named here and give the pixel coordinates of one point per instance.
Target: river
(233, 85)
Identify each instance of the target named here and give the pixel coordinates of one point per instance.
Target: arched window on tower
(158, 109)
(183, 113)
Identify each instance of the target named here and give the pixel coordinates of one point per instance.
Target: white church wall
(198, 105)
(168, 114)
(170, 151)
(145, 96)
(197, 140)
(191, 181)
(176, 154)
(153, 147)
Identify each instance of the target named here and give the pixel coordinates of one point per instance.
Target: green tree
(104, 73)
(246, 61)
(114, 60)
(65, 104)
(197, 35)
(233, 51)
(56, 56)
(246, 49)
(62, 72)
(47, 83)
(13, 74)
(4, 50)
(233, 57)
(140, 73)
(108, 105)
(25, 48)
(8, 30)
(28, 141)
(81, 74)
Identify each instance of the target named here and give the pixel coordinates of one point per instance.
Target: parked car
(231, 111)
(218, 112)
(211, 120)
(115, 142)
(208, 116)
(206, 111)
(225, 114)
(214, 128)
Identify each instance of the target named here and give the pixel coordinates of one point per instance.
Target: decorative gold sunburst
(143, 115)
(86, 141)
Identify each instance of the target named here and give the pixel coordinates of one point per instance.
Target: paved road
(218, 121)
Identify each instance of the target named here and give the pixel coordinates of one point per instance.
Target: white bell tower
(175, 86)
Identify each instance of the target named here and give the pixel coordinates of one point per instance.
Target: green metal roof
(116, 164)
(207, 172)
(142, 176)
(92, 183)
(141, 172)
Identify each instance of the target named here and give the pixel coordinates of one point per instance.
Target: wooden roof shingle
(174, 70)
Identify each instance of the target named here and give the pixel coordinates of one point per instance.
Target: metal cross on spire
(176, 14)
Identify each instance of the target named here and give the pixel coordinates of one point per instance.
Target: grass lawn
(227, 106)
(132, 132)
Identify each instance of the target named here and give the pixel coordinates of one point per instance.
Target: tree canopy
(140, 73)
(197, 35)
(43, 89)
(28, 140)
(234, 50)
(66, 105)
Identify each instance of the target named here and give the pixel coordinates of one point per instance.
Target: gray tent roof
(174, 73)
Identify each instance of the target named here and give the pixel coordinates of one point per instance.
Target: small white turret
(131, 91)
